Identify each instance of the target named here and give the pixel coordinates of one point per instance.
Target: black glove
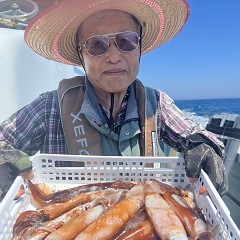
(8, 173)
(204, 157)
(17, 158)
(12, 163)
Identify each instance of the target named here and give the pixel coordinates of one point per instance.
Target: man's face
(114, 71)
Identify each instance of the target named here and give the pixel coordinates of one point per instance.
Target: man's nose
(114, 54)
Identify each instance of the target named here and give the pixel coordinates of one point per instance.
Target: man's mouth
(115, 72)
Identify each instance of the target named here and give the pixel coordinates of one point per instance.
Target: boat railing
(227, 128)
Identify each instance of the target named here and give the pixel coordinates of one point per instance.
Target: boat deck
(232, 198)
(227, 128)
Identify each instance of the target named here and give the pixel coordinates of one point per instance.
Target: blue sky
(203, 61)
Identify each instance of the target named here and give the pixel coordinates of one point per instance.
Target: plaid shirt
(37, 126)
(121, 115)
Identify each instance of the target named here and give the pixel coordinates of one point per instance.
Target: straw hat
(52, 33)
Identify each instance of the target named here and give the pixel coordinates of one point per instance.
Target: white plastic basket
(100, 169)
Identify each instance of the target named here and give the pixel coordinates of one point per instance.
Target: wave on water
(201, 110)
(203, 120)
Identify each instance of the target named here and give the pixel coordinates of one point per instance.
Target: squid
(46, 228)
(70, 230)
(142, 211)
(43, 200)
(134, 222)
(76, 225)
(45, 188)
(144, 231)
(24, 233)
(115, 217)
(43, 229)
(55, 210)
(161, 187)
(193, 224)
(185, 193)
(166, 223)
(26, 220)
(182, 204)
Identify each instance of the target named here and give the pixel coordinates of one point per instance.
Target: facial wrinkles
(99, 19)
(115, 70)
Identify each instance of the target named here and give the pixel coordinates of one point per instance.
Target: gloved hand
(8, 173)
(12, 163)
(16, 157)
(204, 157)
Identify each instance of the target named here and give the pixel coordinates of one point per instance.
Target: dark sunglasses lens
(127, 41)
(97, 45)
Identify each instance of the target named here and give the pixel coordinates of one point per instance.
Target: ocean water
(201, 110)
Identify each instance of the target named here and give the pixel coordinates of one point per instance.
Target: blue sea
(201, 110)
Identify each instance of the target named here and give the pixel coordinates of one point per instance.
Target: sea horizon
(192, 99)
(202, 109)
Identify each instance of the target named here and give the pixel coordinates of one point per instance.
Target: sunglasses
(98, 45)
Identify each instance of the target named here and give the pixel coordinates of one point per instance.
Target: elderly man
(108, 111)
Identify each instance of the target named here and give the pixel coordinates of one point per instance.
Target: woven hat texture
(52, 33)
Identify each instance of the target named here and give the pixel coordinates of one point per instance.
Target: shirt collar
(90, 106)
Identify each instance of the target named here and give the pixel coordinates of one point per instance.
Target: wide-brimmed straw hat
(52, 33)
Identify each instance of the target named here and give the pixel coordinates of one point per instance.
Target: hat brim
(52, 33)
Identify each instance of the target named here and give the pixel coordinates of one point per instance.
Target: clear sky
(203, 61)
